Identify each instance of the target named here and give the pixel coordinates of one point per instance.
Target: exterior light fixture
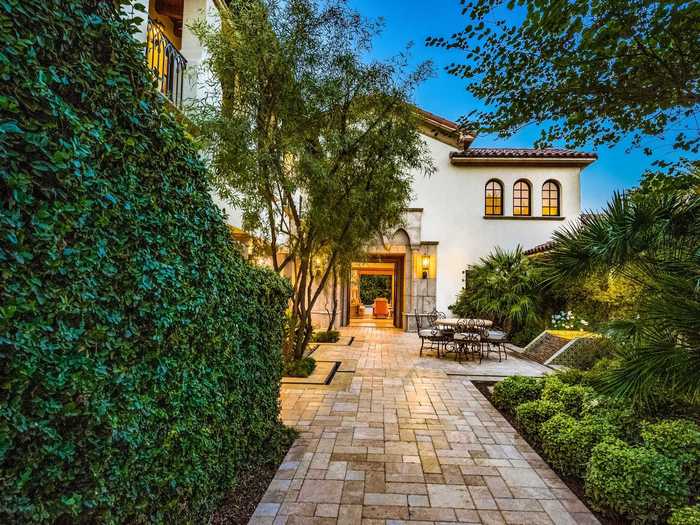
(425, 264)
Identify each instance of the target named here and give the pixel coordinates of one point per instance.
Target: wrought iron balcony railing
(166, 62)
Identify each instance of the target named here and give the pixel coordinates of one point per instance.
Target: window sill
(524, 218)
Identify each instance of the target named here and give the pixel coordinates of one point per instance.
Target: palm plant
(652, 237)
(504, 287)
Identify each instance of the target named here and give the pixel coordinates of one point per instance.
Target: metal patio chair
(428, 331)
(468, 339)
(497, 339)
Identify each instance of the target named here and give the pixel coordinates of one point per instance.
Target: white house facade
(481, 198)
(477, 199)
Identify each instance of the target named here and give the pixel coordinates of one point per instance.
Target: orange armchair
(381, 307)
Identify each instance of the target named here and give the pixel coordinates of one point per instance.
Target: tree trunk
(304, 300)
(334, 313)
(299, 307)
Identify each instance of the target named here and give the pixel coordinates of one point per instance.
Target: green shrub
(685, 516)
(531, 414)
(636, 482)
(506, 287)
(524, 336)
(572, 397)
(328, 336)
(139, 357)
(513, 391)
(573, 376)
(676, 439)
(568, 443)
(299, 367)
(616, 411)
(667, 404)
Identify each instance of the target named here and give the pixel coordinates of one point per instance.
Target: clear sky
(412, 20)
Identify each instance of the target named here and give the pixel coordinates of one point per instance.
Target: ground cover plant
(303, 367)
(139, 354)
(685, 516)
(327, 336)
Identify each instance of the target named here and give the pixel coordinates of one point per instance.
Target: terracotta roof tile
(540, 248)
(522, 153)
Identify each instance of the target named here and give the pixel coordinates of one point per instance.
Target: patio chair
(428, 331)
(380, 310)
(447, 332)
(468, 339)
(498, 339)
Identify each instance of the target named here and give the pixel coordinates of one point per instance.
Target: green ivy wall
(139, 355)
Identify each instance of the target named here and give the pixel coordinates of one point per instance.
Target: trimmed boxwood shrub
(515, 390)
(615, 410)
(636, 482)
(573, 376)
(139, 355)
(568, 443)
(677, 439)
(572, 397)
(685, 516)
(531, 414)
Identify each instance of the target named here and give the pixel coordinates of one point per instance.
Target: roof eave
(443, 130)
(522, 161)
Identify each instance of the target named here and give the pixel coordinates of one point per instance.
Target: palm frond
(653, 240)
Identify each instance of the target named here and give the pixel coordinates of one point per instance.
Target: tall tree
(585, 70)
(313, 143)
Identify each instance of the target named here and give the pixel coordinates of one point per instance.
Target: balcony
(166, 62)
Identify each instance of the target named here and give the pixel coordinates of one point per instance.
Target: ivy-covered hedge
(139, 355)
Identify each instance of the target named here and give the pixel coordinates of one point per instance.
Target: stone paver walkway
(399, 440)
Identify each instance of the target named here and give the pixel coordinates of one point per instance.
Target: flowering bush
(568, 321)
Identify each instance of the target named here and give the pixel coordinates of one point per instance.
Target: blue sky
(412, 20)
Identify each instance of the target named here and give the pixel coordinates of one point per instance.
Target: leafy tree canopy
(373, 286)
(588, 71)
(312, 142)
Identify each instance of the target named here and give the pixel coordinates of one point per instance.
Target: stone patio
(396, 438)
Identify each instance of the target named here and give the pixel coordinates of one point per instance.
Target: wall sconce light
(425, 264)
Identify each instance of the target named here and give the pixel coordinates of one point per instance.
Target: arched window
(494, 198)
(550, 198)
(521, 198)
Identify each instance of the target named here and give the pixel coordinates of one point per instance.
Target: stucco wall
(453, 213)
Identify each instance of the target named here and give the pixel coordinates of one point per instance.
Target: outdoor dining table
(455, 321)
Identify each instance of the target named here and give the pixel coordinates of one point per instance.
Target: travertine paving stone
(399, 439)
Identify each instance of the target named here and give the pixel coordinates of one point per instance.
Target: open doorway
(375, 295)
